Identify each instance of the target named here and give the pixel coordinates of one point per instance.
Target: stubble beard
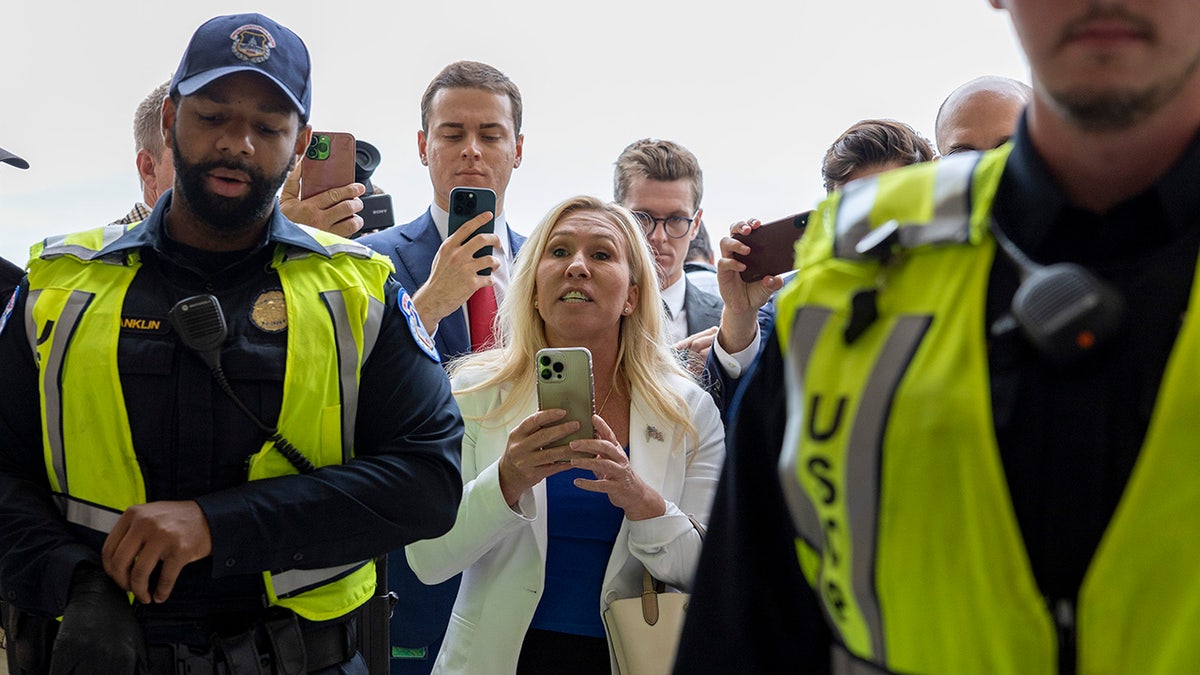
(1119, 110)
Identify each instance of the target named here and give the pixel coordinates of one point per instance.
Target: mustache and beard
(226, 213)
(1118, 110)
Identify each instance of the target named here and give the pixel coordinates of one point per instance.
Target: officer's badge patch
(8, 309)
(416, 327)
(252, 43)
(269, 311)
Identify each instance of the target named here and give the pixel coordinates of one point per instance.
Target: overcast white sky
(757, 89)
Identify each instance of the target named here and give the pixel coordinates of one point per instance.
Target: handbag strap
(651, 587)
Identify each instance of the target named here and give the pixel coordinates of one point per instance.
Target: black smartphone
(564, 380)
(465, 204)
(772, 246)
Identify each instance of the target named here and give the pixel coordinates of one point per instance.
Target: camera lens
(545, 360)
(323, 146)
(558, 367)
(545, 373)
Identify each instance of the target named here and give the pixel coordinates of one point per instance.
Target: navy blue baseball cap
(237, 43)
(7, 157)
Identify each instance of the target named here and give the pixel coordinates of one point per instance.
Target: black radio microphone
(201, 326)
(1064, 311)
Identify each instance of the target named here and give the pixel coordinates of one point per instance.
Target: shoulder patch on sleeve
(405, 301)
(8, 308)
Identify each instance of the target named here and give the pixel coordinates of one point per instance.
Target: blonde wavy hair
(644, 355)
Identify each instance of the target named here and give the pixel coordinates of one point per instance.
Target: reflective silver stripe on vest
(950, 222)
(806, 328)
(51, 371)
(843, 662)
(854, 216)
(56, 246)
(951, 204)
(86, 514)
(347, 358)
(372, 327)
(863, 458)
(351, 248)
(294, 582)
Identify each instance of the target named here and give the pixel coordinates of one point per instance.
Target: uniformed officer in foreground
(986, 458)
(212, 422)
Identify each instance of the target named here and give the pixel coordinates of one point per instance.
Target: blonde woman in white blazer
(585, 277)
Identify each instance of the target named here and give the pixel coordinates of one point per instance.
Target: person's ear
(520, 151)
(168, 122)
(302, 140)
(631, 298)
(145, 168)
(421, 140)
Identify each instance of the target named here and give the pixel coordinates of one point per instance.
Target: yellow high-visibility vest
(893, 476)
(334, 308)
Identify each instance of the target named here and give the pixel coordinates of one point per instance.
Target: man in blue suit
(470, 136)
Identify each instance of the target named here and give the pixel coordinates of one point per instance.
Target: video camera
(377, 208)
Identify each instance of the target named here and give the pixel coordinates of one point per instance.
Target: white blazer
(502, 552)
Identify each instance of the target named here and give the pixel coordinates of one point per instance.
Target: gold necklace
(606, 397)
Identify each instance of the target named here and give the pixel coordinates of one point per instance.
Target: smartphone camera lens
(545, 360)
(558, 367)
(545, 373)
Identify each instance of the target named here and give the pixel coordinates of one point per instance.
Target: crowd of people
(952, 438)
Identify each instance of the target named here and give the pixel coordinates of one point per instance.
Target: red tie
(481, 312)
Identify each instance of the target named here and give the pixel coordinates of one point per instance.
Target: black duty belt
(280, 644)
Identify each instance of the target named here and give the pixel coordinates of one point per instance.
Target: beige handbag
(644, 632)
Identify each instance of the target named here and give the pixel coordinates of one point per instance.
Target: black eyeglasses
(676, 227)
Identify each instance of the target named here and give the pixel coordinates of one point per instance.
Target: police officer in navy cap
(215, 421)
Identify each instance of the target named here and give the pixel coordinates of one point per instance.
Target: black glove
(99, 633)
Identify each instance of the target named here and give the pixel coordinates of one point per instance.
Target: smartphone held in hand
(772, 246)
(564, 380)
(465, 204)
(328, 162)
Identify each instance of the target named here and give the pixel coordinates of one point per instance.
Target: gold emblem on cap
(252, 43)
(269, 312)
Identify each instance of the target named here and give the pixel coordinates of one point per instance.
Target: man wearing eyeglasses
(661, 182)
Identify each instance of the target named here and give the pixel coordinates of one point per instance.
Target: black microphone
(1064, 311)
(201, 327)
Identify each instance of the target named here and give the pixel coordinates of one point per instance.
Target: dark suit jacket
(703, 309)
(719, 384)
(420, 617)
(412, 248)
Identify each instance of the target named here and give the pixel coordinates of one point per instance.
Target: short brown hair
(657, 160)
(871, 143)
(472, 75)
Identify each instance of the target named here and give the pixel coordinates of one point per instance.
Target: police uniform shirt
(1069, 438)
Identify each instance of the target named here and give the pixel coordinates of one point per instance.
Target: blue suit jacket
(412, 248)
(422, 612)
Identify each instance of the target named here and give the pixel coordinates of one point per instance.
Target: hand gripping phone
(465, 204)
(328, 162)
(564, 380)
(772, 247)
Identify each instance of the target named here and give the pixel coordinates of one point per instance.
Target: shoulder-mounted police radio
(1064, 311)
